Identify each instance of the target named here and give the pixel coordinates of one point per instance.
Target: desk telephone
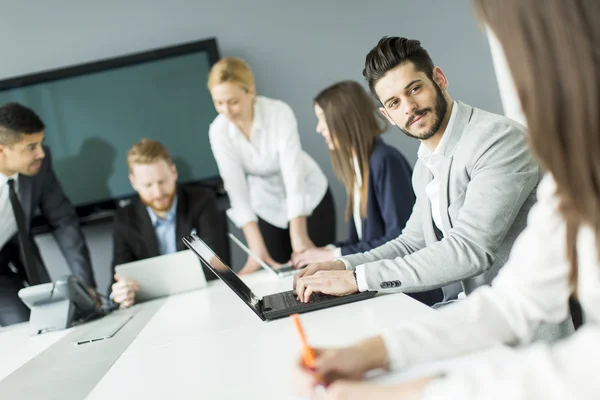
(59, 305)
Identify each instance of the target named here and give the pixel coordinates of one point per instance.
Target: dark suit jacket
(44, 191)
(135, 237)
(390, 200)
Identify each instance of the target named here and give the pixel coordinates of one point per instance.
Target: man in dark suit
(27, 182)
(155, 221)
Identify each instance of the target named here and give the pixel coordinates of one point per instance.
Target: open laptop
(272, 306)
(285, 270)
(164, 275)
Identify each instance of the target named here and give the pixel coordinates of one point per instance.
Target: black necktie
(438, 234)
(576, 312)
(27, 255)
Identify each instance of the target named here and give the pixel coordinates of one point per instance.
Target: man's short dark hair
(15, 120)
(391, 52)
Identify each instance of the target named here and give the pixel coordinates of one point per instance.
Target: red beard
(170, 198)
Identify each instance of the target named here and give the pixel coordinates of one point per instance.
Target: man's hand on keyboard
(338, 283)
(312, 269)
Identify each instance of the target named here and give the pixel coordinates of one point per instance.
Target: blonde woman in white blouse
(279, 196)
(551, 47)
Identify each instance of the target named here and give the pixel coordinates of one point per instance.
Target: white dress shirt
(531, 288)
(8, 224)
(356, 204)
(269, 176)
(434, 162)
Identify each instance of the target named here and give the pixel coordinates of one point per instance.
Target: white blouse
(269, 175)
(531, 288)
(357, 188)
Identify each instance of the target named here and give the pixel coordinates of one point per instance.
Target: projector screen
(95, 112)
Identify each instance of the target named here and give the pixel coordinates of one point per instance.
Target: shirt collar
(258, 122)
(170, 215)
(424, 153)
(4, 179)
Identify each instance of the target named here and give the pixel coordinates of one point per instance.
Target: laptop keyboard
(290, 300)
(282, 304)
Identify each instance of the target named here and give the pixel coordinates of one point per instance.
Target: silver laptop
(285, 270)
(164, 275)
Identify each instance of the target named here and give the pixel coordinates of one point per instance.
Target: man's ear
(384, 112)
(132, 180)
(3, 151)
(174, 170)
(440, 78)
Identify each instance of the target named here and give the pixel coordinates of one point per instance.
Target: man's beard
(441, 106)
(168, 204)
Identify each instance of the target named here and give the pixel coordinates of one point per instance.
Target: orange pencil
(307, 352)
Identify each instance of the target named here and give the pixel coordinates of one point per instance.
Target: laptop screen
(226, 274)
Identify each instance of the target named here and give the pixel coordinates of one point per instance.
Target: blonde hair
(147, 151)
(233, 70)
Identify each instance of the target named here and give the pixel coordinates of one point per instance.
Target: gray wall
(296, 48)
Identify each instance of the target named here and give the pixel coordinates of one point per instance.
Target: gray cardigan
(488, 187)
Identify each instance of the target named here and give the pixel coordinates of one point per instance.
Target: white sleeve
(567, 370)
(291, 162)
(337, 252)
(531, 288)
(234, 177)
(361, 278)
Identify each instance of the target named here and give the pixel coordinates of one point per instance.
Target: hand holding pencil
(317, 368)
(308, 378)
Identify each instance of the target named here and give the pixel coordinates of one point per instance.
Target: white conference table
(204, 344)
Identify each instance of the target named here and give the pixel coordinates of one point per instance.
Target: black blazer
(390, 200)
(135, 238)
(45, 192)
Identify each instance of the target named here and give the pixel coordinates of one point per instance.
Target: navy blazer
(390, 200)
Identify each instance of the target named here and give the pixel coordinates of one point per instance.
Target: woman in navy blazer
(376, 176)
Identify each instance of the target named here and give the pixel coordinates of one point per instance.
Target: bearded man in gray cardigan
(474, 180)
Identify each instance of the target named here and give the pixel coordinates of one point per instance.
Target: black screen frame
(104, 209)
(192, 239)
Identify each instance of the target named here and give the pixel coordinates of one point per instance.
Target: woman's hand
(258, 247)
(348, 363)
(252, 265)
(312, 256)
(337, 374)
(299, 235)
(301, 245)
